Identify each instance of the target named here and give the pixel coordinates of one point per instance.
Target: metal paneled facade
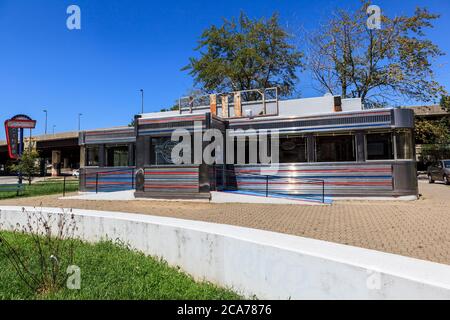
(172, 179)
(343, 179)
(393, 176)
(122, 135)
(107, 179)
(102, 178)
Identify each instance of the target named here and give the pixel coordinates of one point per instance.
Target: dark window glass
(335, 148)
(292, 149)
(404, 144)
(162, 150)
(379, 146)
(92, 156)
(117, 156)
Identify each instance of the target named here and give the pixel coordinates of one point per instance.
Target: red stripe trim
(171, 173)
(375, 183)
(109, 182)
(163, 186)
(124, 131)
(320, 170)
(316, 117)
(173, 119)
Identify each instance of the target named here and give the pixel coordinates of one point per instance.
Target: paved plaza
(419, 229)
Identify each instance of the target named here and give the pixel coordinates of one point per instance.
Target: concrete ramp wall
(259, 263)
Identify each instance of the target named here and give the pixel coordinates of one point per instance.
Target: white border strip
(262, 263)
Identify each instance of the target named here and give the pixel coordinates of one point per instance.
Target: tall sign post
(14, 128)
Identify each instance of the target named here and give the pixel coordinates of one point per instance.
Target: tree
(175, 107)
(27, 164)
(246, 54)
(379, 66)
(445, 103)
(432, 131)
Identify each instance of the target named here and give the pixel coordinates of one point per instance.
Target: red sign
(14, 133)
(21, 121)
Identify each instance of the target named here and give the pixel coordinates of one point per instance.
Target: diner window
(92, 156)
(161, 150)
(117, 156)
(292, 149)
(404, 144)
(379, 146)
(335, 148)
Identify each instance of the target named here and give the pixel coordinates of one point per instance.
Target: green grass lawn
(109, 271)
(42, 188)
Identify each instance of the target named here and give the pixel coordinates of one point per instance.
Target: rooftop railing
(237, 104)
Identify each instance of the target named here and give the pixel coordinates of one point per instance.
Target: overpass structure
(60, 150)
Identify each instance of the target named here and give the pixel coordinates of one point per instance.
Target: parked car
(439, 171)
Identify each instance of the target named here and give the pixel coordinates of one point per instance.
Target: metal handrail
(99, 173)
(262, 92)
(268, 177)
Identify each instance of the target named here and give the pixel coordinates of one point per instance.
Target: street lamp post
(79, 121)
(54, 126)
(46, 115)
(142, 99)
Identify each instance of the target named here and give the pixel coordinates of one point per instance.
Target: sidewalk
(419, 229)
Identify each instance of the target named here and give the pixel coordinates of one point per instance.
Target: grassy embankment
(110, 271)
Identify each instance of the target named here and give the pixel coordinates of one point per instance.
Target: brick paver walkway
(419, 229)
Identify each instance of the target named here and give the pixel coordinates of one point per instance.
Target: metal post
(142, 100)
(267, 186)
(21, 148)
(323, 191)
(79, 121)
(64, 187)
(96, 182)
(46, 116)
(132, 178)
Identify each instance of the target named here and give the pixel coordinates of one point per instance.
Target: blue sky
(127, 45)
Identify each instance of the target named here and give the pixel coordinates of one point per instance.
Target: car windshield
(446, 164)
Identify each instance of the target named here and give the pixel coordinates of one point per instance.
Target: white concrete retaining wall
(265, 264)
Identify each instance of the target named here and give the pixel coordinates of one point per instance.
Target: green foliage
(246, 54)
(379, 66)
(430, 153)
(27, 164)
(175, 107)
(445, 103)
(432, 131)
(110, 271)
(41, 267)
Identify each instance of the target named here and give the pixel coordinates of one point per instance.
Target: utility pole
(79, 121)
(54, 126)
(142, 99)
(46, 114)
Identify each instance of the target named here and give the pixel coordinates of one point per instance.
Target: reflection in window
(92, 156)
(161, 150)
(379, 146)
(404, 144)
(117, 156)
(335, 148)
(292, 149)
